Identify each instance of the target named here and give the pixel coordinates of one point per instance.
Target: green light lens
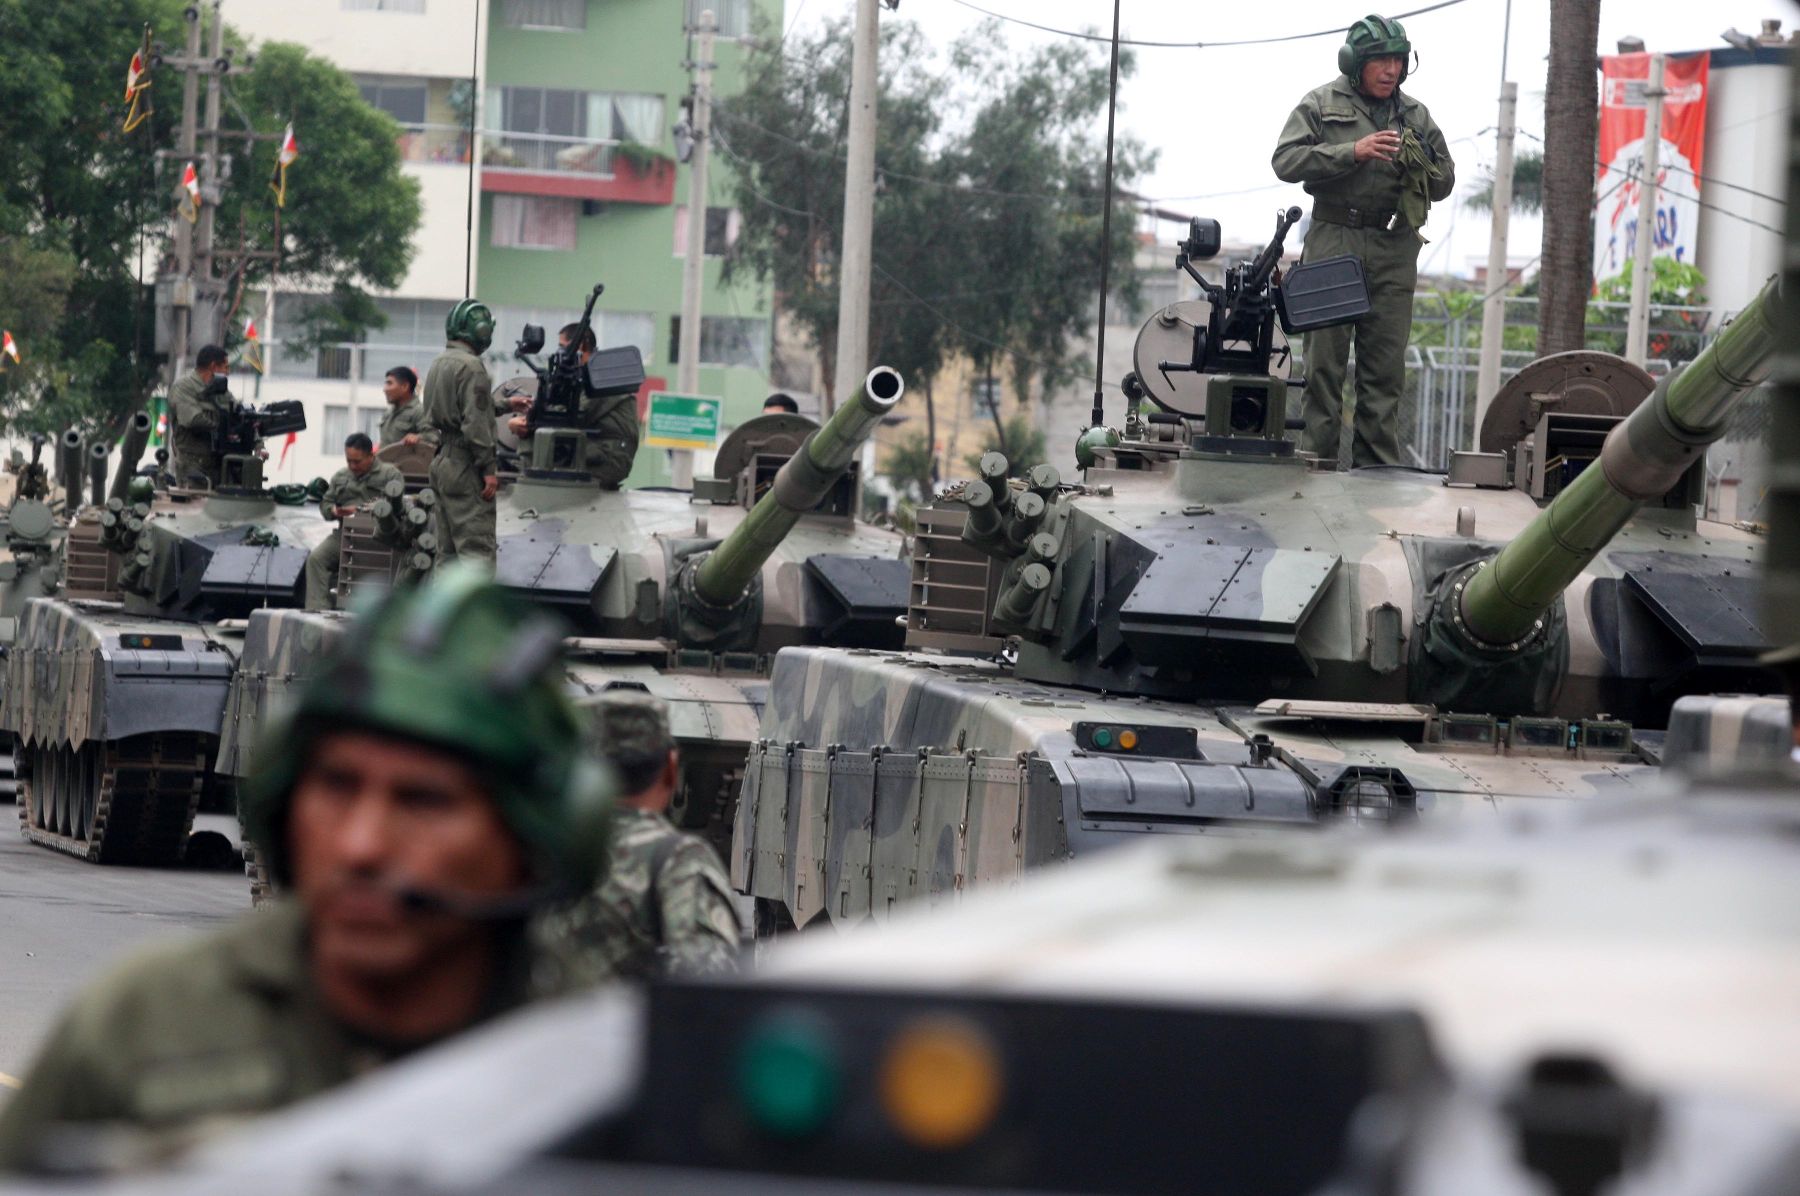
(1103, 738)
(788, 1076)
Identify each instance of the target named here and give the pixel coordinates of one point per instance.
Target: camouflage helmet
(472, 323)
(457, 664)
(631, 730)
(1374, 36)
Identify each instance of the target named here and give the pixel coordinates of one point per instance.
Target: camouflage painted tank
(1213, 634)
(116, 686)
(685, 596)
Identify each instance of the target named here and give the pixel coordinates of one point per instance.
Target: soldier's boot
(1391, 262)
(321, 572)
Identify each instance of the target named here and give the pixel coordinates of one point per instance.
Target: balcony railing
(448, 144)
(547, 153)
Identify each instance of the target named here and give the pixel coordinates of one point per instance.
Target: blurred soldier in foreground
(404, 422)
(431, 788)
(1374, 162)
(666, 904)
(459, 406)
(362, 480)
(196, 404)
(611, 421)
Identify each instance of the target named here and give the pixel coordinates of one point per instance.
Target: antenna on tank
(1098, 435)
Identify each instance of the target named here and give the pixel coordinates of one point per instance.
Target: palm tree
(1571, 134)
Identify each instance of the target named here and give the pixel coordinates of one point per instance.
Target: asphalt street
(64, 922)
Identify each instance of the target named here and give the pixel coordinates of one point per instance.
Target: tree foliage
(909, 466)
(80, 200)
(988, 204)
(1022, 442)
(1528, 185)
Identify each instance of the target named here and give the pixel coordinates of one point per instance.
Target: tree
(81, 201)
(988, 204)
(909, 466)
(1675, 330)
(1571, 135)
(1528, 185)
(1021, 441)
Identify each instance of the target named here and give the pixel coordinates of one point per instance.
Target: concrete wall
(1746, 145)
(434, 42)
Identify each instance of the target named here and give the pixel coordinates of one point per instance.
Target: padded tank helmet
(457, 664)
(1372, 37)
(472, 323)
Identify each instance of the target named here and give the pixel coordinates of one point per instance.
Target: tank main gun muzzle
(72, 470)
(1503, 601)
(726, 572)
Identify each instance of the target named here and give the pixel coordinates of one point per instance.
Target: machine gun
(241, 425)
(565, 383)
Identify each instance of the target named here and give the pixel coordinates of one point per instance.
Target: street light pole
(856, 260)
(693, 264)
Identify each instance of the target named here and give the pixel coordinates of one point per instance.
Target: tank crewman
(404, 422)
(611, 422)
(666, 904)
(1374, 161)
(780, 403)
(196, 404)
(459, 407)
(431, 788)
(362, 480)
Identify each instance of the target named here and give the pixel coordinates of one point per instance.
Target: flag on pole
(284, 157)
(8, 346)
(190, 187)
(159, 423)
(253, 346)
(285, 446)
(137, 83)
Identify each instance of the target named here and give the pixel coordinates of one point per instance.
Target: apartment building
(571, 179)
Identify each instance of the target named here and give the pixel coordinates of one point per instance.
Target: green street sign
(682, 421)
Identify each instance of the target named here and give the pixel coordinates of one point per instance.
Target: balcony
(446, 144)
(571, 168)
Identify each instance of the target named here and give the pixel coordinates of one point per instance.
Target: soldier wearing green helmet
(430, 791)
(465, 472)
(1374, 162)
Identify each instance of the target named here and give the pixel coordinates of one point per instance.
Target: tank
(116, 684)
(685, 595)
(1212, 633)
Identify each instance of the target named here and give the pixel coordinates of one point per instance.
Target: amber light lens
(941, 1084)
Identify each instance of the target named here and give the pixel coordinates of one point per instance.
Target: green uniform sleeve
(701, 932)
(334, 495)
(1302, 155)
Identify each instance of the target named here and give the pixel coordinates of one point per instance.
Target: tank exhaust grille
(92, 571)
(954, 587)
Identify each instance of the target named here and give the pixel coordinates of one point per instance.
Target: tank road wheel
(130, 802)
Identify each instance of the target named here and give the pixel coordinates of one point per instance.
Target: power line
(1154, 45)
(1693, 174)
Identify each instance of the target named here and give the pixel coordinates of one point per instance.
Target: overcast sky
(1215, 113)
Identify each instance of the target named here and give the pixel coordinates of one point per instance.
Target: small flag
(253, 345)
(190, 186)
(8, 346)
(284, 157)
(137, 82)
(285, 446)
(159, 428)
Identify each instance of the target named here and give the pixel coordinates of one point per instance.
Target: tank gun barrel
(72, 471)
(801, 484)
(1641, 459)
(137, 438)
(96, 464)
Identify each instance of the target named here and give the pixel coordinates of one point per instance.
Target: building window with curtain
(334, 428)
(725, 341)
(626, 116)
(533, 222)
(404, 99)
(544, 14)
(722, 226)
(733, 16)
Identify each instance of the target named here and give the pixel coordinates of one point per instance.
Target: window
(725, 341)
(403, 99)
(368, 420)
(986, 395)
(383, 5)
(334, 428)
(543, 14)
(612, 329)
(533, 222)
(722, 226)
(733, 16)
(616, 329)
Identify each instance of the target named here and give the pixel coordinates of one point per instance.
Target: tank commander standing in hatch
(459, 407)
(431, 788)
(666, 905)
(1374, 162)
(196, 405)
(611, 421)
(362, 480)
(404, 422)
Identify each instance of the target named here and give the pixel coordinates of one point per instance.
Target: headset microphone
(507, 907)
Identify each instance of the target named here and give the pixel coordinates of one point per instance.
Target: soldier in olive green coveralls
(362, 480)
(459, 407)
(404, 421)
(195, 413)
(610, 421)
(1346, 141)
(432, 785)
(666, 903)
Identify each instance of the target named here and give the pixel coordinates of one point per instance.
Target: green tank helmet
(1374, 36)
(472, 323)
(458, 664)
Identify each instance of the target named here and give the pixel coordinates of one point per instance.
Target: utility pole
(693, 264)
(856, 260)
(1637, 321)
(181, 295)
(1493, 314)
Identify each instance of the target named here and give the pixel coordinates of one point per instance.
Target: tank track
(127, 802)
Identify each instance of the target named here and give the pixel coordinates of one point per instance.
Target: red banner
(1679, 160)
